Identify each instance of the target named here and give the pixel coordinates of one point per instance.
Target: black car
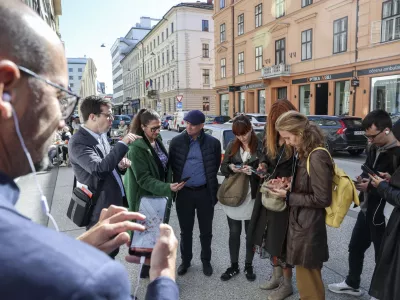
(343, 133)
(210, 119)
(119, 118)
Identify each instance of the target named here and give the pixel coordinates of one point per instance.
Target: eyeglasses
(108, 116)
(373, 136)
(68, 101)
(154, 129)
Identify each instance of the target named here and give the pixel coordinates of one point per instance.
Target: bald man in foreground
(35, 261)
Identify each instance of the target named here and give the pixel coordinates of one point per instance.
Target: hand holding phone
(186, 179)
(368, 170)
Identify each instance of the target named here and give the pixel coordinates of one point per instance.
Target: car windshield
(209, 119)
(261, 118)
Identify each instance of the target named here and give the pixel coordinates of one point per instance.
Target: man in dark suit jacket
(37, 262)
(94, 164)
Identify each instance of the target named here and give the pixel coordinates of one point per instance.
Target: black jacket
(236, 159)
(385, 281)
(211, 152)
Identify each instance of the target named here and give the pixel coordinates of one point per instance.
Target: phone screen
(154, 210)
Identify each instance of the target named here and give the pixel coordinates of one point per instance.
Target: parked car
(223, 132)
(119, 118)
(258, 120)
(177, 122)
(217, 119)
(165, 121)
(343, 133)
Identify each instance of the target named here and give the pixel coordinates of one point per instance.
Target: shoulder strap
(308, 158)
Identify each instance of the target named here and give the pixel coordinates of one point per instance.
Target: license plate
(359, 132)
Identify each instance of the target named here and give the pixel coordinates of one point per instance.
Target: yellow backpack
(343, 194)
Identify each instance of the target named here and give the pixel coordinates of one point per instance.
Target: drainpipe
(233, 56)
(356, 56)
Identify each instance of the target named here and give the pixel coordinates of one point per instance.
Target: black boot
(230, 272)
(248, 270)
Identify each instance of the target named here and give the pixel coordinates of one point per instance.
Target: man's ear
(9, 76)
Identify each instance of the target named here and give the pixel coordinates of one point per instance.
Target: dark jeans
(187, 202)
(364, 233)
(235, 230)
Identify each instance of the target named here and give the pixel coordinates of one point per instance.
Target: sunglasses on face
(154, 129)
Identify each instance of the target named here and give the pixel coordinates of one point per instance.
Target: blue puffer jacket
(211, 152)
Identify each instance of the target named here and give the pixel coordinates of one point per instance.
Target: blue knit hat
(195, 117)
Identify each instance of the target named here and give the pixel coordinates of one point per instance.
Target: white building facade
(176, 58)
(120, 48)
(76, 67)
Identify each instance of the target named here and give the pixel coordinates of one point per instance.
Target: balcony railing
(275, 71)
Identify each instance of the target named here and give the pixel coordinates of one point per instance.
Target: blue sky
(86, 24)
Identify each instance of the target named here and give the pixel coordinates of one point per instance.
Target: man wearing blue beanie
(195, 157)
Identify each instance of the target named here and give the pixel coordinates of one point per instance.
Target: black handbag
(81, 205)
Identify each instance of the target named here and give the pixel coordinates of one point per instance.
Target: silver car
(223, 132)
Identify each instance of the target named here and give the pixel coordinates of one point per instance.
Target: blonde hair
(299, 125)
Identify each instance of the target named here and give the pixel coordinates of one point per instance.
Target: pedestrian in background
(92, 160)
(268, 228)
(76, 124)
(383, 155)
(244, 150)
(150, 173)
(310, 194)
(122, 128)
(196, 155)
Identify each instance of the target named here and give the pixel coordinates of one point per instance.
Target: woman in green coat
(150, 173)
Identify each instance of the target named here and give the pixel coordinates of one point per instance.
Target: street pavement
(57, 186)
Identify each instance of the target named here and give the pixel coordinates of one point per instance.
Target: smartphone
(258, 172)
(238, 166)
(185, 179)
(154, 208)
(368, 170)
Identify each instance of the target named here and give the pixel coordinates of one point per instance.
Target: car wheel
(329, 147)
(356, 152)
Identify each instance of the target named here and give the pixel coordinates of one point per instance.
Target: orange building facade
(335, 57)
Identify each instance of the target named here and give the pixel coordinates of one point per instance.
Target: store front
(135, 106)
(261, 101)
(224, 104)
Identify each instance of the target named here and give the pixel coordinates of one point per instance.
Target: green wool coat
(143, 178)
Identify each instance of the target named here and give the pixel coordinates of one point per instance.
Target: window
(70, 69)
(342, 97)
(279, 8)
(163, 81)
(261, 101)
(305, 99)
(151, 65)
(385, 93)
(158, 61)
(205, 25)
(71, 77)
(154, 43)
(166, 33)
(241, 102)
(223, 68)
(280, 52)
(167, 56)
(162, 37)
(306, 44)
(71, 85)
(258, 14)
(172, 28)
(305, 3)
(167, 79)
(241, 24)
(163, 61)
(206, 51)
(158, 40)
(155, 65)
(173, 77)
(206, 76)
(340, 35)
(222, 32)
(221, 4)
(173, 52)
(80, 70)
(241, 63)
(259, 55)
(80, 77)
(282, 93)
(390, 20)
(224, 104)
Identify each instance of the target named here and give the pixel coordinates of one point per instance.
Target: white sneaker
(343, 288)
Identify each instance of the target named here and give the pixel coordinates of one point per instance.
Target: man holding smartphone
(383, 155)
(196, 157)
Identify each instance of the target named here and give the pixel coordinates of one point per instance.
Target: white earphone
(387, 132)
(6, 97)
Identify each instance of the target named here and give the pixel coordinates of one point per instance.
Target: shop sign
(135, 102)
(232, 89)
(355, 82)
(384, 69)
(223, 91)
(323, 77)
(252, 86)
